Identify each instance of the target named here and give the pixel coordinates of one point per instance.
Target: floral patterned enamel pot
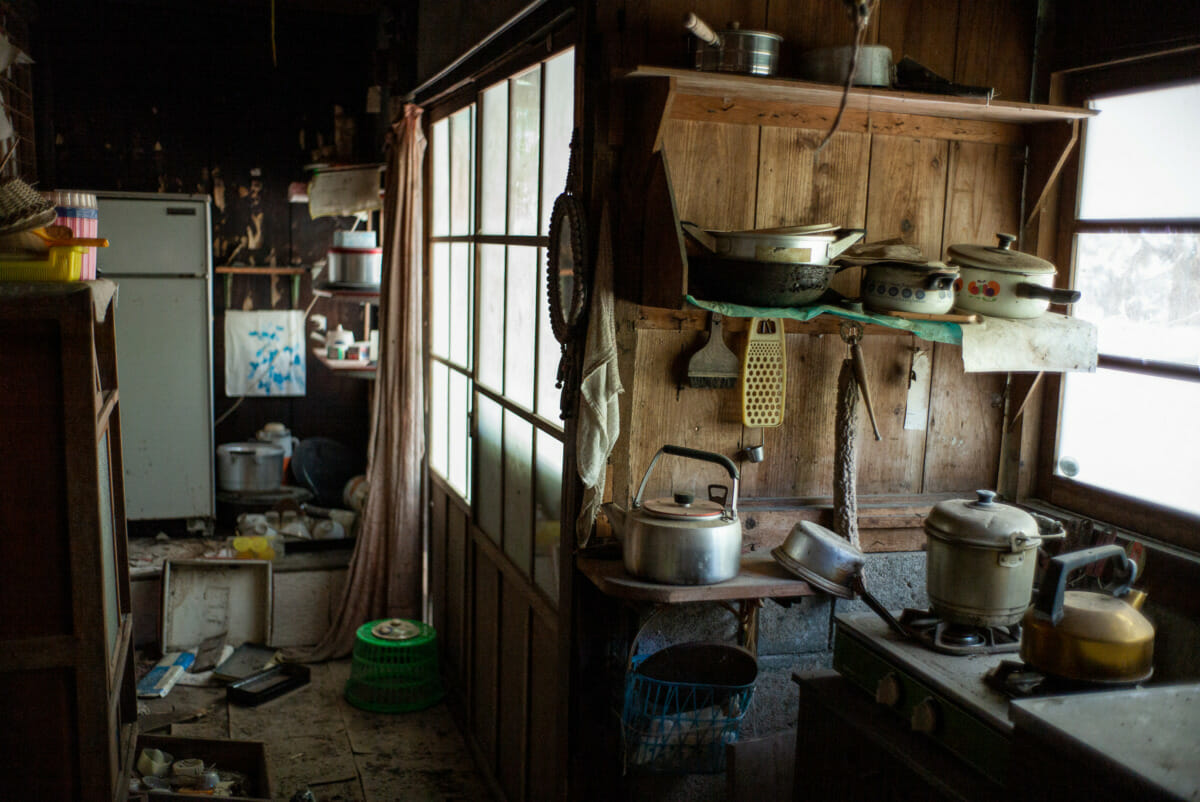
(923, 287)
(996, 280)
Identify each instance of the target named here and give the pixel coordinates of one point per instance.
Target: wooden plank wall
(498, 651)
(930, 192)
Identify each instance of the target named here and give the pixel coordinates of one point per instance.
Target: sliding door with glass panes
(495, 436)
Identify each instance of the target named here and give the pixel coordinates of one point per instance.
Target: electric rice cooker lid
(1000, 257)
(982, 522)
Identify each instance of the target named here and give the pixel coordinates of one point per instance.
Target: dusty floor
(317, 740)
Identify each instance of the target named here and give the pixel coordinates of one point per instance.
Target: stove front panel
(931, 711)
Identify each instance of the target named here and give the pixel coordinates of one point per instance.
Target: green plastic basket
(394, 676)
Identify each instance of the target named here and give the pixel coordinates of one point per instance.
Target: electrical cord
(861, 14)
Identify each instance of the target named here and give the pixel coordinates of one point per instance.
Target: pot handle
(940, 280)
(857, 585)
(849, 237)
(1054, 295)
(1049, 603)
(692, 453)
(700, 29)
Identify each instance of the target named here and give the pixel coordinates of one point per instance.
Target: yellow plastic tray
(64, 264)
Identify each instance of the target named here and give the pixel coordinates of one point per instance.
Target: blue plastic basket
(671, 725)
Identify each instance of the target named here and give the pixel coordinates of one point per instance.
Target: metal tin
(746, 52)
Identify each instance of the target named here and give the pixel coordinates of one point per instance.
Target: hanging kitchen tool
(981, 559)
(852, 333)
(734, 50)
(999, 281)
(679, 540)
(764, 373)
(1088, 636)
(714, 365)
(845, 456)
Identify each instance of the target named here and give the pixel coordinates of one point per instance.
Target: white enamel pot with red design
(998, 281)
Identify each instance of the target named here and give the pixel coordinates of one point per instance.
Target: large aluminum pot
(734, 50)
(813, 245)
(251, 467)
(996, 280)
(680, 540)
(358, 267)
(981, 557)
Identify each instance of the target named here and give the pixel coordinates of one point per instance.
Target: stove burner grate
(957, 639)
(1019, 680)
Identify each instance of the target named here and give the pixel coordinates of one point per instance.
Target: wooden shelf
(359, 296)
(760, 578)
(350, 368)
(262, 271)
(749, 100)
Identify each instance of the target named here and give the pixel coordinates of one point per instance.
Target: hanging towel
(264, 353)
(599, 414)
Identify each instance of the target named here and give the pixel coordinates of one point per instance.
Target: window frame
(542, 422)
(1075, 87)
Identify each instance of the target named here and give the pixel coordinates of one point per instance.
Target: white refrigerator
(160, 256)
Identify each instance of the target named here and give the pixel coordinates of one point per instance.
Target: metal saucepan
(734, 50)
(816, 244)
(830, 564)
(1088, 636)
(996, 280)
(682, 540)
(251, 467)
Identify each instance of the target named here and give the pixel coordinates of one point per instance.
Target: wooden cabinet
(66, 664)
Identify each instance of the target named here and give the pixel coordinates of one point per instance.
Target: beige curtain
(384, 580)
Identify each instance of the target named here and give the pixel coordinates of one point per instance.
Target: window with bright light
(1128, 429)
(495, 435)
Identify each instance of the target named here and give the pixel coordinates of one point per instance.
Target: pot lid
(825, 231)
(888, 250)
(1000, 257)
(683, 506)
(982, 522)
(251, 447)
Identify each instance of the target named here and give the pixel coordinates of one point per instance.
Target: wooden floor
(317, 740)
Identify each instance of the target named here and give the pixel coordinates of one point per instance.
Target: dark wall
(1086, 32)
(449, 28)
(156, 96)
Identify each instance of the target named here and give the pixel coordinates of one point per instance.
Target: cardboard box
(247, 757)
(202, 598)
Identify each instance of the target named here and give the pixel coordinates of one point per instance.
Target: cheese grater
(764, 373)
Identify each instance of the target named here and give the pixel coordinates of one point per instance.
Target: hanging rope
(845, 458)
(860, 13)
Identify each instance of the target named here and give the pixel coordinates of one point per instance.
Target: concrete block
(776, 699)
(897, 579)
(801, 628)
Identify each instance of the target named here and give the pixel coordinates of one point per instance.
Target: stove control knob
(889, 691)
(926, 716)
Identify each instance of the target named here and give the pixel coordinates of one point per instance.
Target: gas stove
(958, 639)
(943, 696)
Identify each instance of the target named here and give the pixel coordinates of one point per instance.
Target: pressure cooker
(981, 558)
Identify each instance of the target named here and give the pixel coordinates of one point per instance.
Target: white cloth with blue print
(264, 353)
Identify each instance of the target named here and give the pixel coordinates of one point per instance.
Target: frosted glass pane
(1149, 312)
(547, 511)
(438, 381)
(489, 505)
(493, 167)
(548, 354)
(440, 179)
(108, 557)
(490, 360)
(461, 323)
(1112, 436)
(459, 444)
(520, 325)
(439, 335)
(518, 481)
(556, 136)
(1140, 158)
(524, 151)
(462, 157)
